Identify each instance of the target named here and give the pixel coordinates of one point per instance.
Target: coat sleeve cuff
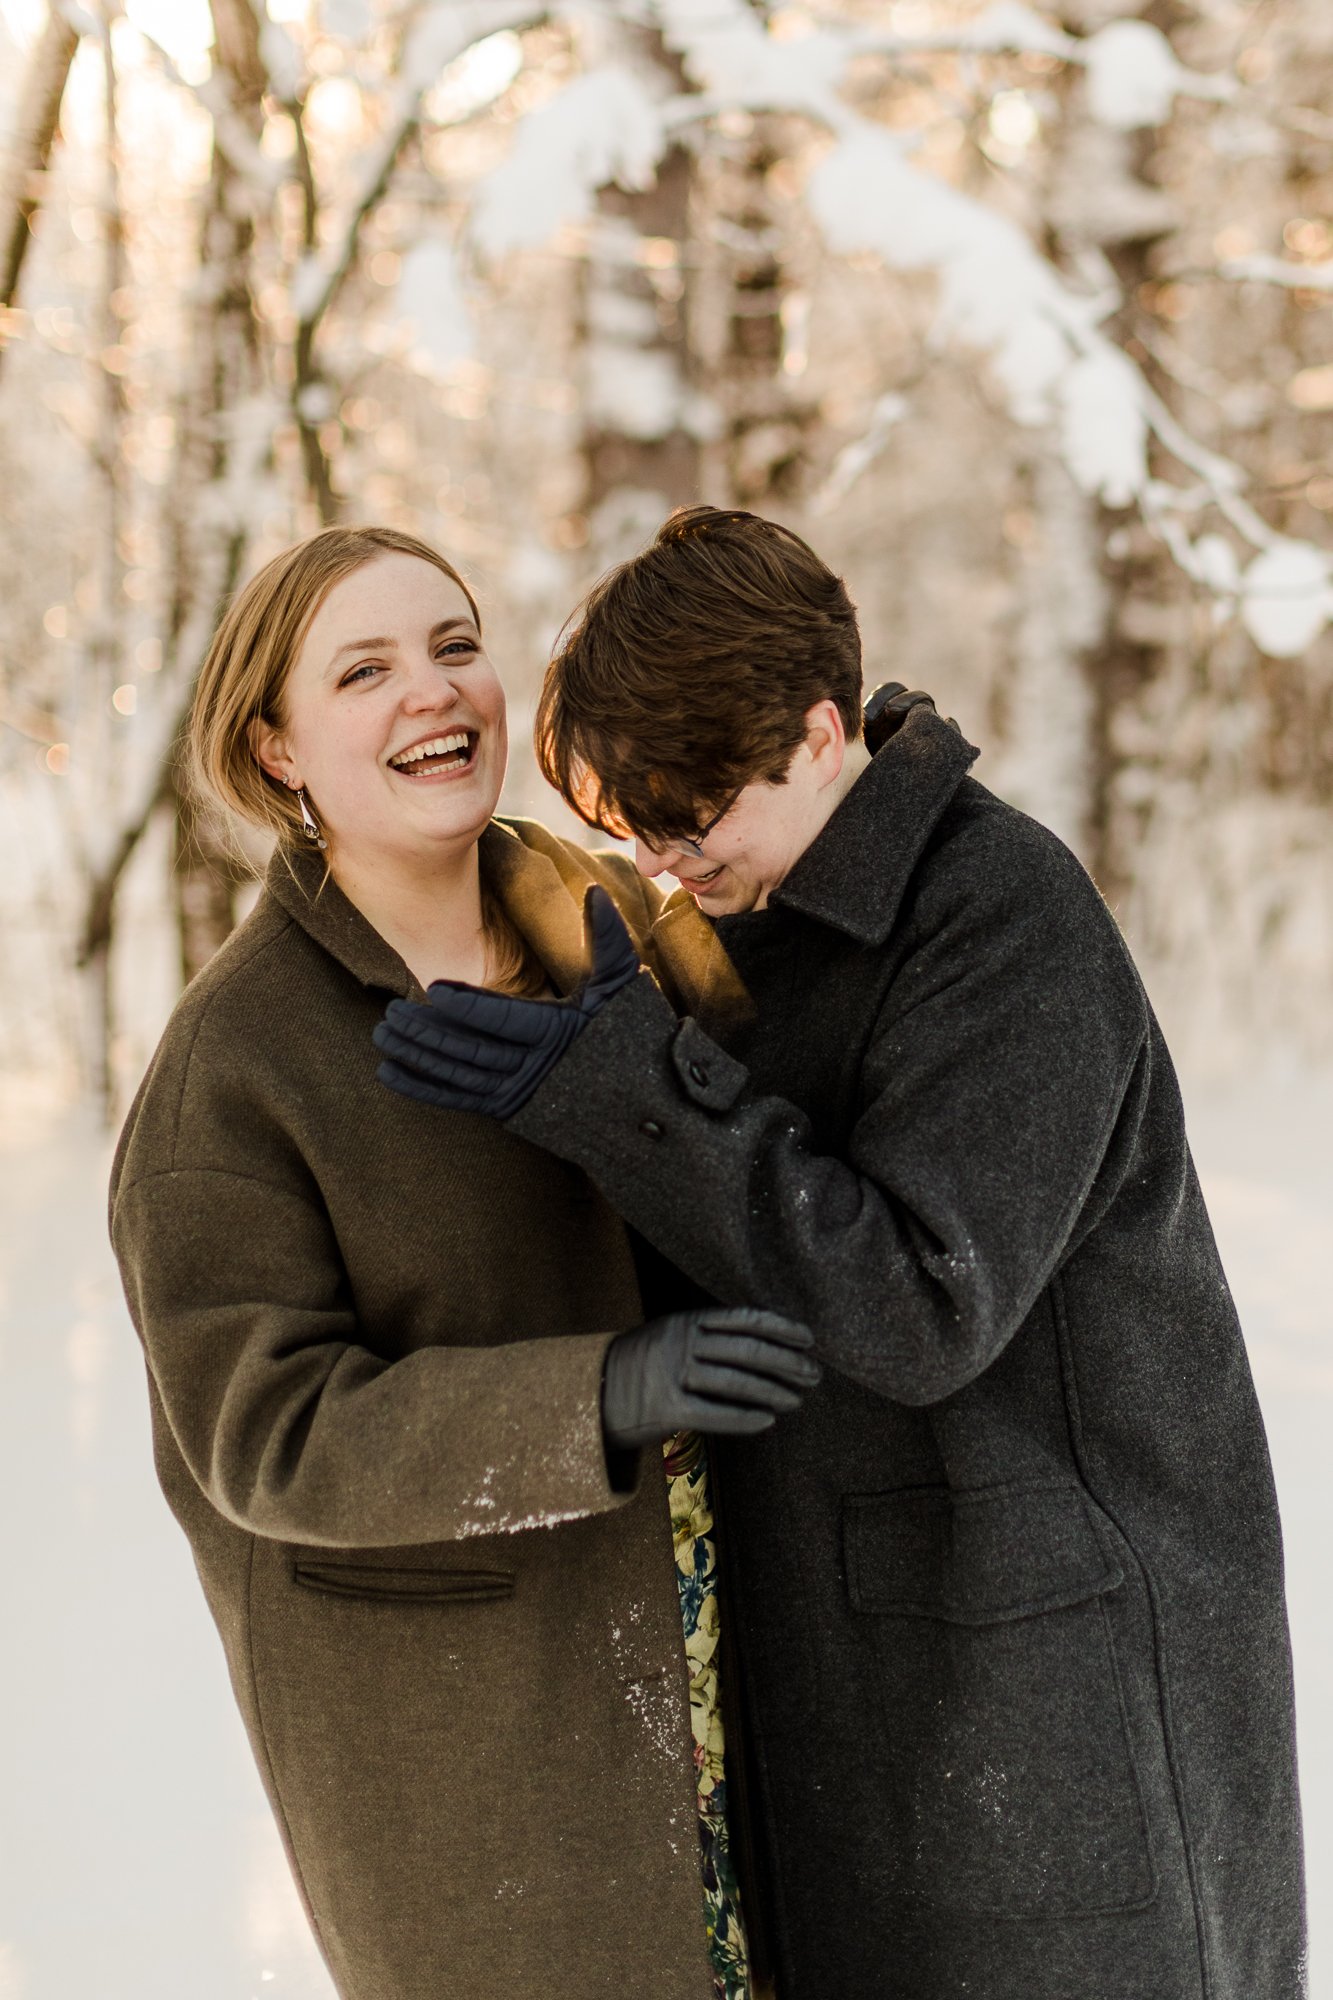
(294, 1430)
(634, 1077)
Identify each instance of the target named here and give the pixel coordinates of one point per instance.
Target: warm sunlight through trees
(1022, 315)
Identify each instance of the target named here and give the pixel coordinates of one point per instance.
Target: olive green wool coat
(374, 1345)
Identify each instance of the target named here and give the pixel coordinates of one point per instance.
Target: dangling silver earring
(308, 820)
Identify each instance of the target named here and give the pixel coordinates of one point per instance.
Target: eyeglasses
(695, 845)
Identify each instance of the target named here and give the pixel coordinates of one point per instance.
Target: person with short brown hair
(1008, 1587)
(758, 631)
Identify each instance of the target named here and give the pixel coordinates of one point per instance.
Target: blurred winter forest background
(1021, 315)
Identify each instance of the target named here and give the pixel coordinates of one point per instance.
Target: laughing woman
(396, 1367)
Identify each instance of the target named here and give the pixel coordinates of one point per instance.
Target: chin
(434, 834)
(450, 809)
(731, 901)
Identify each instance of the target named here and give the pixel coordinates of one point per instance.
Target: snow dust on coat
(374, 1340)
(1010, 1581)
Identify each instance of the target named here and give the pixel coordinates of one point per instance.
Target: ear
(825, 741)
(269, 746)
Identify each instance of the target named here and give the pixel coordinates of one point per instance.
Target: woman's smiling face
(393, 717)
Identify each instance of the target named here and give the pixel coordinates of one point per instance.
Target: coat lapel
(538, 902)
(855, 872)
(545, 904)
(527, 885)
(299, 880)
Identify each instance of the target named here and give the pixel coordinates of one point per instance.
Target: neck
(431, 914)
(856, 759)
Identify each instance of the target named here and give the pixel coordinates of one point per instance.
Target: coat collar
(852, 875)
(855, 872)
(691, 961)
(545, 908)
(527, 885)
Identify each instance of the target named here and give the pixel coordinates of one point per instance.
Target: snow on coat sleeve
(295, 1430)
(994, 1078)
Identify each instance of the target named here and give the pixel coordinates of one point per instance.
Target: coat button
(651, 1129)
(699, 1074)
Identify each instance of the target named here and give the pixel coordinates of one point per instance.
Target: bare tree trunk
(38, 121)
(97, 1025)
(1079, 653)
(207, 533)
(1143, 590)
(641, 446)
(751, 322)
(1049, 708)
(95, 724)
(311, 402)
(206, 536)
(210, 554)
(206, 876)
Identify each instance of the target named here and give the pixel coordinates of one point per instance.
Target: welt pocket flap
(973, 1558)
(403, 1585)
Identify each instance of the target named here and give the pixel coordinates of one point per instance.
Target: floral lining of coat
(686, 1463)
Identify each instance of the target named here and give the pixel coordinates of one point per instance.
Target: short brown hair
(244, 676)
(688, 671)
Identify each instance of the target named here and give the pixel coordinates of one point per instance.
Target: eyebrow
(383, 644)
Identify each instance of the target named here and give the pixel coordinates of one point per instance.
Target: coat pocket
(1003, 1752)
(403, 1585)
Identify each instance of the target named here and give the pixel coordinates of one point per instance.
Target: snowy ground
(137, 1858)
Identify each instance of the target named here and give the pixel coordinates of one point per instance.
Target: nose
(647, 859)
(429, 687)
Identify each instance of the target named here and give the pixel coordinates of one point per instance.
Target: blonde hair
(243, 681)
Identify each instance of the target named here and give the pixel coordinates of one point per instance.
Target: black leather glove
(728, 1369)
(465, 1048)
(888, 707)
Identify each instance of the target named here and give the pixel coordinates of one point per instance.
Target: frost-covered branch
(320, 276)
(1220, 478)
(99, 906)
(858, 456)
(997, 292)
(1133, 76)
(1277, 271)
(1132, 71)
(1003, 30)
(260, 176)
(604, 127)
(439, 37)
(443, 33)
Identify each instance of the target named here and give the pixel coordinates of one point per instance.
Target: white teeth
(439, 746)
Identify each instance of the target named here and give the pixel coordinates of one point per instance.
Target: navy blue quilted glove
(465, 1048)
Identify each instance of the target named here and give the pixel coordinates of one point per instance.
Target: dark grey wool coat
(1009, 1584)
(374, 1345)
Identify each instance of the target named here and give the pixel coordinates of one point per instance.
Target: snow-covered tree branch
(1018, 313)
